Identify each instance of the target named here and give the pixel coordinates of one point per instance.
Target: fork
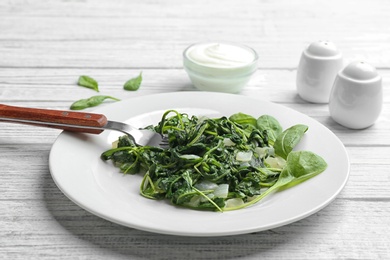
(79, 122)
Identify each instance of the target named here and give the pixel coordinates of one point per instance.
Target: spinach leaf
(243, 119)
(88, 82)
(271, 125)
(134, 83)
(288, 139)
(301, 166)
(90, 102)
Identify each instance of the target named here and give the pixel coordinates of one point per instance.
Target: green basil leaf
(88, 82)
(134, 83)
(288, 139)
(90, 102)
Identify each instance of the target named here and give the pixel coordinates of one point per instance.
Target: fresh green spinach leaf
(288, 139)
(301, 166)
(271, 125)
(90, 102)
(134, 83)
(243, 119)
(88, 82)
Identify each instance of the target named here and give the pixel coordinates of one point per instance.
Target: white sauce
(221, 67)
(220, 55)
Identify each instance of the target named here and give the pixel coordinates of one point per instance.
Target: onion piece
(265, 151)
(235, 202)
(210, 196)
(228, 142)
(206, 185)
(222, 191)
(194, 201)
(244, 156)
(245, 164)
(189, 156)
(275, 162)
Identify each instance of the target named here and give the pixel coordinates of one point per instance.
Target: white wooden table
(46, 45)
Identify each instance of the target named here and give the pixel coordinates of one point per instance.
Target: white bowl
(212, 71)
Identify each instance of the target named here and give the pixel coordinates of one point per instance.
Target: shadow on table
(102, 236)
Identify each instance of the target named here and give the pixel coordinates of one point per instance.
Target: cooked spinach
(216, 164)
(90, 102)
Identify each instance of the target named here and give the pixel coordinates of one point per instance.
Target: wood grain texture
(46, 45)
(53, 118)
(154, 34)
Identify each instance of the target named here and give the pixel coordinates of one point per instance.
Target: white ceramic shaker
(357, 96)
(319, 64)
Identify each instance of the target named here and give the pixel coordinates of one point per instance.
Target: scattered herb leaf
(90, 102)
(134, 83)
(88, 82)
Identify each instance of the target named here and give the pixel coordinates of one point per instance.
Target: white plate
(98, 187)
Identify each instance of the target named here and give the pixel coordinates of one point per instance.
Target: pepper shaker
(356, 98)
(319, 64)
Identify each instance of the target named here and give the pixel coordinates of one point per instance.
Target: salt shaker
(357, 96)
(319, 64)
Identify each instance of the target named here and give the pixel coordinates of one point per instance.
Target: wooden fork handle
(60, 119)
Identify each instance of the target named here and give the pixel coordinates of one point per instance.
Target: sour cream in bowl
(220, 67)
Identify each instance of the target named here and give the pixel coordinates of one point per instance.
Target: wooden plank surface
(154, 34)
(46, 45)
